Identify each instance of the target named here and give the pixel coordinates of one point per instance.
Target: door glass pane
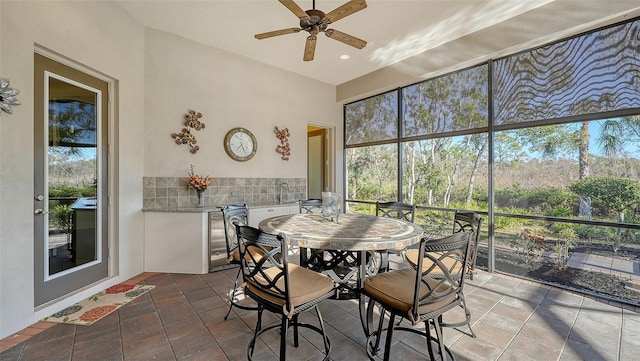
(72, 175)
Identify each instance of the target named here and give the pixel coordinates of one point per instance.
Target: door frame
(107, 165)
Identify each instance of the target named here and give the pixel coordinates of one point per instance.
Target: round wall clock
(240, 144)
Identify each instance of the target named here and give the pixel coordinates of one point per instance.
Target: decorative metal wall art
(192, 122)
(7, 96)
(283, 148)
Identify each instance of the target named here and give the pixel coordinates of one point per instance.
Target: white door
(70, 179)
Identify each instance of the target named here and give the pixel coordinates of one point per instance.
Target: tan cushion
(411, 255)
(395, 289)
(235, 254)
(304, 285)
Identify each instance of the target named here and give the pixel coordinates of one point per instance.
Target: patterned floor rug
(99, 305)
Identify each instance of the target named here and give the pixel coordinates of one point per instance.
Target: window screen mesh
(372, 119)
(456, 101)
(591, 73)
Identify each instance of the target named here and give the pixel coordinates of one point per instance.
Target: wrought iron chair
(232, 215)
(398, 210)
(418, 296)
(469, 221)
(282, 288)
(463, 221)
(310, 206)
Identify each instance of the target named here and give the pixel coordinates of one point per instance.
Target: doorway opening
(318, 161)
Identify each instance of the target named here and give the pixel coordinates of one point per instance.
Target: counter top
(207, 209)
(275, 205)
(85, 203)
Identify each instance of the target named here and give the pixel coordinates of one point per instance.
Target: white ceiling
(394, 30)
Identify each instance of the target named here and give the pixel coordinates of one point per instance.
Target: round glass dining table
(352, 232)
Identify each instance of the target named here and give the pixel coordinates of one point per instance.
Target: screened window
(592, 73)
(452, 102)
(446, 171)
(372, 172)
(538, 170)
(372, 119)
(565, 155)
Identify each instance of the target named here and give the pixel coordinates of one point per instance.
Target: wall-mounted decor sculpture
(283, 148)
(7, 96)
(192, 122)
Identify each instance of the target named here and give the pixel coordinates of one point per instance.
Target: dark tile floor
(182, 318)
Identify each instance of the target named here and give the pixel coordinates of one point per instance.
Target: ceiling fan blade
(270, 34)
(345, 38)
(309, 48)
(345, 10)
(294, 8)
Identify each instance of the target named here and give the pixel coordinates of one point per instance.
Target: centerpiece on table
(199, 184)
(331, 206)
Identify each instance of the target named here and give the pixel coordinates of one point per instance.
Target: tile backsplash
(170, 192)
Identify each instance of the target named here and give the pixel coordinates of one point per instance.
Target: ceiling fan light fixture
(345, 57)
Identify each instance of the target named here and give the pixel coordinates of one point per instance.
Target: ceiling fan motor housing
(316, 22)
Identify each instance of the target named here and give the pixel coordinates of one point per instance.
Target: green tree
(617, 194)
(565, 139)
(454, 102)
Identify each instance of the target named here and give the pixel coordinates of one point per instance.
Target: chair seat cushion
(304, 285)
(395, 289)
(411, 256)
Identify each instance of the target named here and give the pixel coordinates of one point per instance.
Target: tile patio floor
(182, 319)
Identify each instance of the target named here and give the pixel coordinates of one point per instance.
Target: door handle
(39, 212)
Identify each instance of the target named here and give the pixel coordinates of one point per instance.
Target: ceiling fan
(315, 21)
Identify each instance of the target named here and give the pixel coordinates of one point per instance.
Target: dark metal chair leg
(325, 338)
(283, 338)
(296, 342)
(438, 328)
(387, 344)
(232, 297)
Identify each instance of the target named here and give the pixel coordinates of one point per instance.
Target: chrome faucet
(280, 191)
